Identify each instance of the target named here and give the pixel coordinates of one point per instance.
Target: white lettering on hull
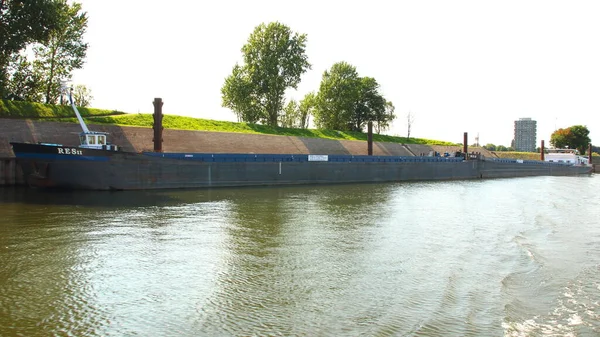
(68, 150)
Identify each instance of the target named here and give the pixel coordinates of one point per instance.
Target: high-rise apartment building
(525, 135)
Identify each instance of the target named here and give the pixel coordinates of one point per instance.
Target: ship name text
(69, 151)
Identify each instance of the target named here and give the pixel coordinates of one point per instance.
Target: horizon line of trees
(41, 44)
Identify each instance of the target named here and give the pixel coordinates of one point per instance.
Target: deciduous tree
(23, 22)
(346, 101)
(65, 50)
(382, 121)
(274, 59)
(307, 107)
(561, 138)
(574, 137)
(581, 138)
(25, 81)
(290, 118)
(239, 95)
(490, 147)
(336, 98)
(82, 96)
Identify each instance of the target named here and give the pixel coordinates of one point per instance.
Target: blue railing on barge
(526, 162)
(232, 157)
(242, 157)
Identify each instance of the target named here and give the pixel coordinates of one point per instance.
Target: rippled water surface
(507, 257)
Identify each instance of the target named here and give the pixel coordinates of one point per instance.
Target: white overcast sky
(458, 66)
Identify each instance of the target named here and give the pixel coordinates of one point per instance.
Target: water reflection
(100, 199)
(293, 252)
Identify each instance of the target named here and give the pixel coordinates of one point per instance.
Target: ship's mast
(69, 93)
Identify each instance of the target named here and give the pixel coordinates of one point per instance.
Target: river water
(506, 257)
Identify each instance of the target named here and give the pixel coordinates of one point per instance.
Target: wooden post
(370, 138)
(590, 153)
(465, 147)
(157, 127)
(542, 150)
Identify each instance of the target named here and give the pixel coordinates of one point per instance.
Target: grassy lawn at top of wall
(64, 113)
(19, 109)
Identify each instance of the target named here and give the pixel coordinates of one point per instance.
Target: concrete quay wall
(139, 139)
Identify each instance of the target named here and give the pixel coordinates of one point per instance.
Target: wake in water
(577, 311)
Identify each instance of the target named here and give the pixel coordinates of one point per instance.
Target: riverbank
(138, 139)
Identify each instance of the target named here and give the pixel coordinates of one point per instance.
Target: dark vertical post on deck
(542, 150)
(590, 153)
(370, 138)
(465, 148)
(157, 127)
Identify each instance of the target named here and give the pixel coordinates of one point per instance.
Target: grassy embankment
(64, 113)
(518, 155)
(534, 156)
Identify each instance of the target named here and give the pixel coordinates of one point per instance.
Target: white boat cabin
(566, 156)
(94, 140)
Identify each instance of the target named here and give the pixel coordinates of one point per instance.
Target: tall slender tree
(274, 59)
(410, 120)
(65, 50)
(307, 107)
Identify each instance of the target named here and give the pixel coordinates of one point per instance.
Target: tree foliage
(574, 137)
(296, 114)
(55, 58)
(490, 147)
(291, 115)
(23, 22)
(347, 102)
(25, 82)
(337, 94)
(383, 120)
(561, 138)
(498, 148)
(82, 96)
(65, 50)
(274, 60)
(307, 107)
(239, 96)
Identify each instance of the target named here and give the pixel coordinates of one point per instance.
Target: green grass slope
(19, 109)
(64, 113)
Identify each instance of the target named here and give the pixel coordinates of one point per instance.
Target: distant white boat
(567, 156)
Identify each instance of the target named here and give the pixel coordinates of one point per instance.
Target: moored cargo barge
(52, 165)
(98, 165)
